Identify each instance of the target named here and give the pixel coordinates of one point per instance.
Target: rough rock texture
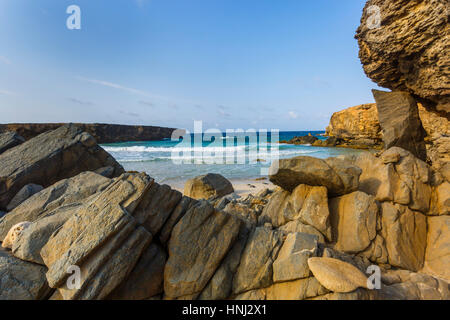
(405, 232)
(62, 193)
(336, 275)
(210, 234)
(339, 176)
(24, 193)
(20, 280)
(354, 220)
(50, 157)
(9, 140)
(103, 133)
(14, 233)
(440, 200)
(208, 186)
(437, 258)
(303, 140)
(356, 126)
(399, 119)
(409, 51)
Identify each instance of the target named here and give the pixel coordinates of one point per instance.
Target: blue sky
(285, 64)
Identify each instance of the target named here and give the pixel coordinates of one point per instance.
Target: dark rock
(24, 193)
(210, 186)
(309, 139)
(9, 140)
(50, 157)
(400, 122)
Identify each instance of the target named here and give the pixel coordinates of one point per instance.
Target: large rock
(21, 280)
(354, 221)
(295, 290)
(338, 176)
(409, 49)
(62, 193)
(24, 193)
(336, 275)
(437, 258)
(356, 125)
(102, 238)
(307, 205)
(9, 140)
(146, 279)
(399, 119)
(405, 232)
(440, 200)
(255, 270)
(199, 242)
(208, 186)
(50, 157)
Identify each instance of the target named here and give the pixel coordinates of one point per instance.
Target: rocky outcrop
(303, 140)
(102, 133)
(50, 157)
(409, 49)
(210, 186)
(9, 140)
(24, 193)
(400, 122)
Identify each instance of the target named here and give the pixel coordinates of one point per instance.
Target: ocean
(175, 161)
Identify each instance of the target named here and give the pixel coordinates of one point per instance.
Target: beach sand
(242, 187)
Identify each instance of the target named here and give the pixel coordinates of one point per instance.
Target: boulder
(306, 204)
(295, 290)
(50, 157)
(399, 119)
(208, 186)
(440, 200)
(399, 55)
(21, 280)
(336, 275)
(62, 193)
(146, 279)
(405, 233)
(437, 257)
(303, 140)
(14, 233)
(9, 140)
(255, 270)
(338, 176)
(190, 267)
(24, 193)
(292, 261)
(102, 238)
(354, 221)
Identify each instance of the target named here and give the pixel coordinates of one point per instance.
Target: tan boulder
(336, 275)
(210, 234)
(14, 233)
(295, 290)
(208, 186)
(437, 257)
(354, 221)
(405, 233)
(440, 200)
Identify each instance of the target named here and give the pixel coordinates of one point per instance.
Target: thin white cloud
(293, 115)
(6, 92)
(4, 60)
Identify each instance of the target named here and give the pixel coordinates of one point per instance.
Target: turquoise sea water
(173, 161)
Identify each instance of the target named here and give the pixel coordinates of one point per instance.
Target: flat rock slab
(9, 140)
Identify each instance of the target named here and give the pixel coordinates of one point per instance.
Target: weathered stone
(400, 55)
(146, 279)
(338, 176)
(292, 260)
(357, 261)
(50, 157)
(180, 210)
(9, 140)
(354, 219)
(306, 204)
(62, 193)
(405, 233)
(377, 251)
(208, 186)
(256, 268)
(437, 257)
(440, 200)
(336, 275)
(21, 280)
(31, 240)
(295, 290)
(14, 233)
(24, 193)
(400, 122)
(297, 226)
(210, 234)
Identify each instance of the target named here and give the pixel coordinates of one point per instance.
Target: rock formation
(9, 140)
(208, 186)
(102, 133)
(409, 49)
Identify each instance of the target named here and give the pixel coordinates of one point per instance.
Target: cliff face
(410, 51)
(103, 133)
